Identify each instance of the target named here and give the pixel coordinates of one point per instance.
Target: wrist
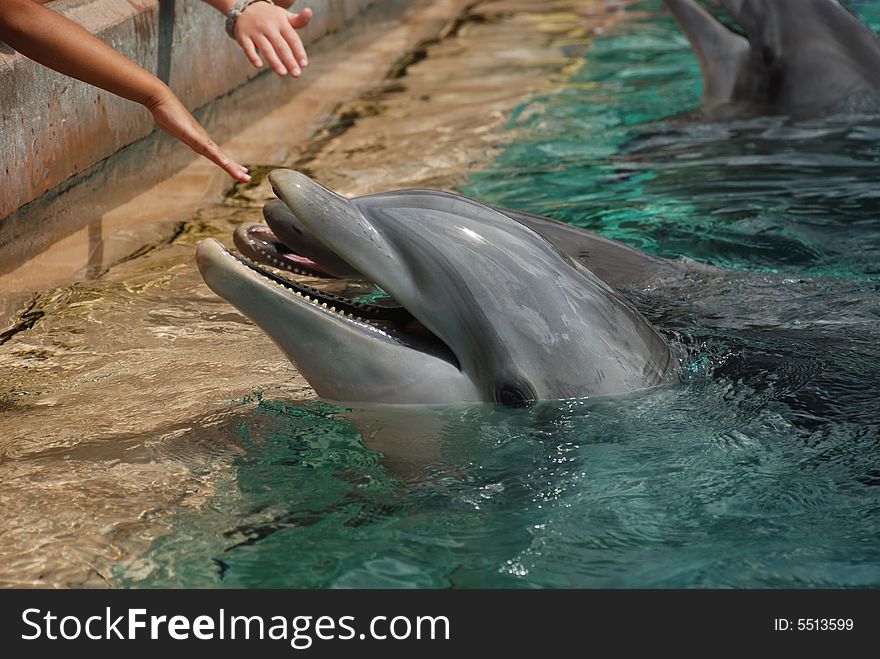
(237, 9)
(159, 94)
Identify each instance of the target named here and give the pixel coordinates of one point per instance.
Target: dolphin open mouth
(390, 320)
(258, 243)
(285, 243)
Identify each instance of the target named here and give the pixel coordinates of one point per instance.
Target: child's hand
(172, 117)
(271, 30)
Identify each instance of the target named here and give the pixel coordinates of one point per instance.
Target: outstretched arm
(54, 41)
(270, 30)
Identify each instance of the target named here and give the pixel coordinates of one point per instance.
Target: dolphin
(793, 55)
(490, 311)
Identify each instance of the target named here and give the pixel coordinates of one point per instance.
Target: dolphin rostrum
(489, 309)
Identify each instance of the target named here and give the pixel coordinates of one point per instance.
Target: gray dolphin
(490, 310)
(794, 54)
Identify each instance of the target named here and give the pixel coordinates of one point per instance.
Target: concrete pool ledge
(77, 160)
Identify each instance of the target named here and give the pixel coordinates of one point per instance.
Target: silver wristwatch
(236, 11)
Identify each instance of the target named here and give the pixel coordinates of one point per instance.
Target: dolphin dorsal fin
(721, 52)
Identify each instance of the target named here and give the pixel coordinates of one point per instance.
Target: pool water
(760, 469)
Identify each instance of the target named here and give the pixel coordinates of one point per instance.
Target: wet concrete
(122, 393)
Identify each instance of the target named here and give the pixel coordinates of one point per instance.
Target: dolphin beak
(290, 231)
(204, 251)
(333, 220)
(307, 198)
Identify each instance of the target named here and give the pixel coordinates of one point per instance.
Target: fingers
(172, 117)
(219, 157)
(300, 20)
(285, 52)
(268, 51)
(251, 51)
(294, 44)
(205, 146)
(267, 32)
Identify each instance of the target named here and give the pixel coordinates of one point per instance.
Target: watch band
(236, 11)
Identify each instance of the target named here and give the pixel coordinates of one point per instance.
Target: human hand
(172, 117)
(271, 30)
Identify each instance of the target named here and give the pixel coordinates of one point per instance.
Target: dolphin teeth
(323, 305)
(331, 308)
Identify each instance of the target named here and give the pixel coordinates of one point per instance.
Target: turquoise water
(761, 470)
(622, 151)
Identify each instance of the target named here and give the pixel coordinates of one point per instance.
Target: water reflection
(722, 481)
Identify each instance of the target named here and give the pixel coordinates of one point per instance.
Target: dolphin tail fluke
(721, 52)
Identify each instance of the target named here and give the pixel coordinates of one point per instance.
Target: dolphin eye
(514, 395)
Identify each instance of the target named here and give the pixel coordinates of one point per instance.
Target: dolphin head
(490, 311)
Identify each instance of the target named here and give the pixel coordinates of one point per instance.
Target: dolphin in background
(792, 55)
(489, 309)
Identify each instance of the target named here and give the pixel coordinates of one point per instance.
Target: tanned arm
(51, 39)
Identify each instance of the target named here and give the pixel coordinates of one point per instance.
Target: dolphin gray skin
(796, 54)
(619, 265)
(491, 311)
(291, 232)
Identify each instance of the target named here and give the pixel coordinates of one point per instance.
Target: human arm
(270, 30)
(51, 39)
